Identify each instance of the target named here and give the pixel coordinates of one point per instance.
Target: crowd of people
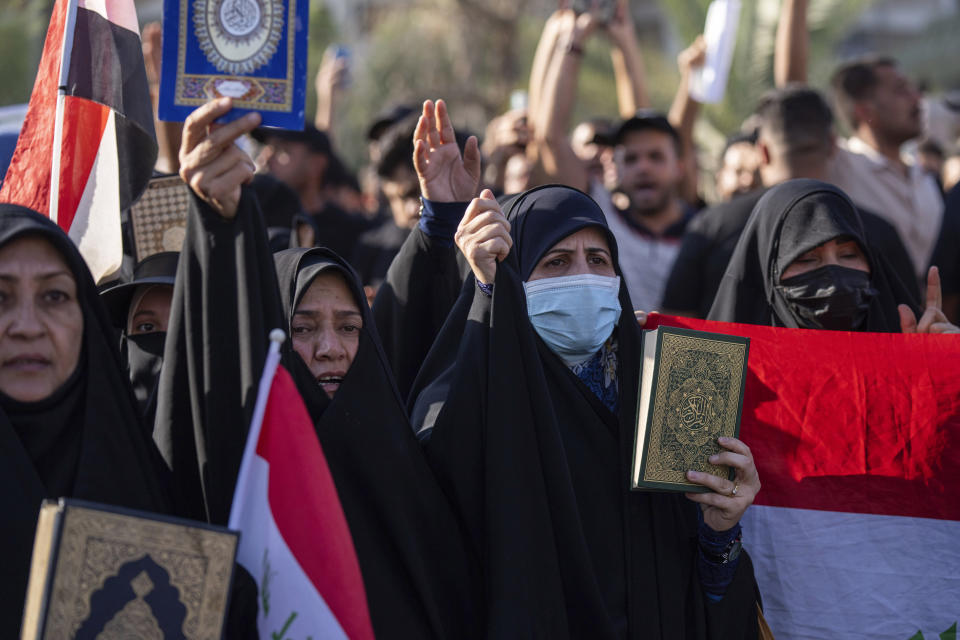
(464, 323)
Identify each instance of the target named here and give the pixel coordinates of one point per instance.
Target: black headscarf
(791, 219)
(538, 467)
(420, 579)
(84, 441)
(142, 354)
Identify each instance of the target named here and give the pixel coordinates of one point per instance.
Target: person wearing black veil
(69, 423)
(526, 405)
(140, 310)
(419, 577)
(803, 262)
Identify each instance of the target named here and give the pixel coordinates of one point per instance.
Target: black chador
(538, 467)
(420, 580)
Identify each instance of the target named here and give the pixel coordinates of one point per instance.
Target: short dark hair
(649, 120)
(854, 81)
(797, 120)
(396, 146)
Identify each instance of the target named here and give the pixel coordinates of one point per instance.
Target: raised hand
(210, 162)
(726, 503)
(933, 319)
(693, 56)
(620, 28)
(444, 175)
(484, 236)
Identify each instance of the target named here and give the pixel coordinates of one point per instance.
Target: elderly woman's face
(326, 330)
(841, 252)
(584, 252)
(41, 323)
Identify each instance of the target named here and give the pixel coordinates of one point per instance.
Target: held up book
(109, 573)
(254, 51)
(691, 393)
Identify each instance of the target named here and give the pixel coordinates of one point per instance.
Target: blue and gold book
(105, 572)
(691, 393)
(254, 51)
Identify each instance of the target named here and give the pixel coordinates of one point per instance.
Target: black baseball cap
(318, 141)
(386, 119)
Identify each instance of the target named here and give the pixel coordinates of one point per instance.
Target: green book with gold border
(106, 572)
(691, 393)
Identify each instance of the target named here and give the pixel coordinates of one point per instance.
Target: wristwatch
(730, 553)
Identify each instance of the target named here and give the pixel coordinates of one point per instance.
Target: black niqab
(538, 467)
(789, 220)
(85, 441)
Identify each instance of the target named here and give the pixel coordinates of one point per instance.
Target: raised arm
(553, 157)
(547, 50)
(683, 114)
(628, 69)
(423, 281)
(168, 133)
(793, 44)
(328, 82)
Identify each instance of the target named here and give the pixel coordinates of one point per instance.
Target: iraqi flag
(856, 436)
(294, 539)
(87, 147)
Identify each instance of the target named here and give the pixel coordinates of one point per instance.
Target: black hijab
(84, 441)
(420, 579)
(538, 467)
(789, 220)
(142, 354)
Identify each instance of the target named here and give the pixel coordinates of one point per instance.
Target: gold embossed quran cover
(691, 393)
(109, 573)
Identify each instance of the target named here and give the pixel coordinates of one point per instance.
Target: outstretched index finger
(934, 292)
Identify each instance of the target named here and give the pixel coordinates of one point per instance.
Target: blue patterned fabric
(599, 373)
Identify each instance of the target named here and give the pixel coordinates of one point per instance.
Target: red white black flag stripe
(89, 127)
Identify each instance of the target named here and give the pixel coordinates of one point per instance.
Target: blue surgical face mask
(574, 315)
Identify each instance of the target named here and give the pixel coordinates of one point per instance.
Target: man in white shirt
(882, 107)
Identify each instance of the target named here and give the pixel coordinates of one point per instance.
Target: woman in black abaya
(420, 579)
(528, 420)
(69, 424)
(803, 261)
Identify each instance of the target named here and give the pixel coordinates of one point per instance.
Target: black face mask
(144, 353)
(831, 297)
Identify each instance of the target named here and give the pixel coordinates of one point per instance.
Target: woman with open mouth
(420, 579)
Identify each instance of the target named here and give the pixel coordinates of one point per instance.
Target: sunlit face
(41, 323)
(583, 252)
(650, 170)
(582, 143)
(402, 191)
(842, 252)
(894, 110)
(326, 330)
(516, 174)
(287, 160)
(740, 172)
(152, 312)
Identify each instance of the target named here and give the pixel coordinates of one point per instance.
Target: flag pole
(66, 50)
(277, 336)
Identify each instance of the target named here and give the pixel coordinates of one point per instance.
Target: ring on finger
(736, 487)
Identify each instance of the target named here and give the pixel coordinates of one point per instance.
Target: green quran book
(691, 393)
(109, 573)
